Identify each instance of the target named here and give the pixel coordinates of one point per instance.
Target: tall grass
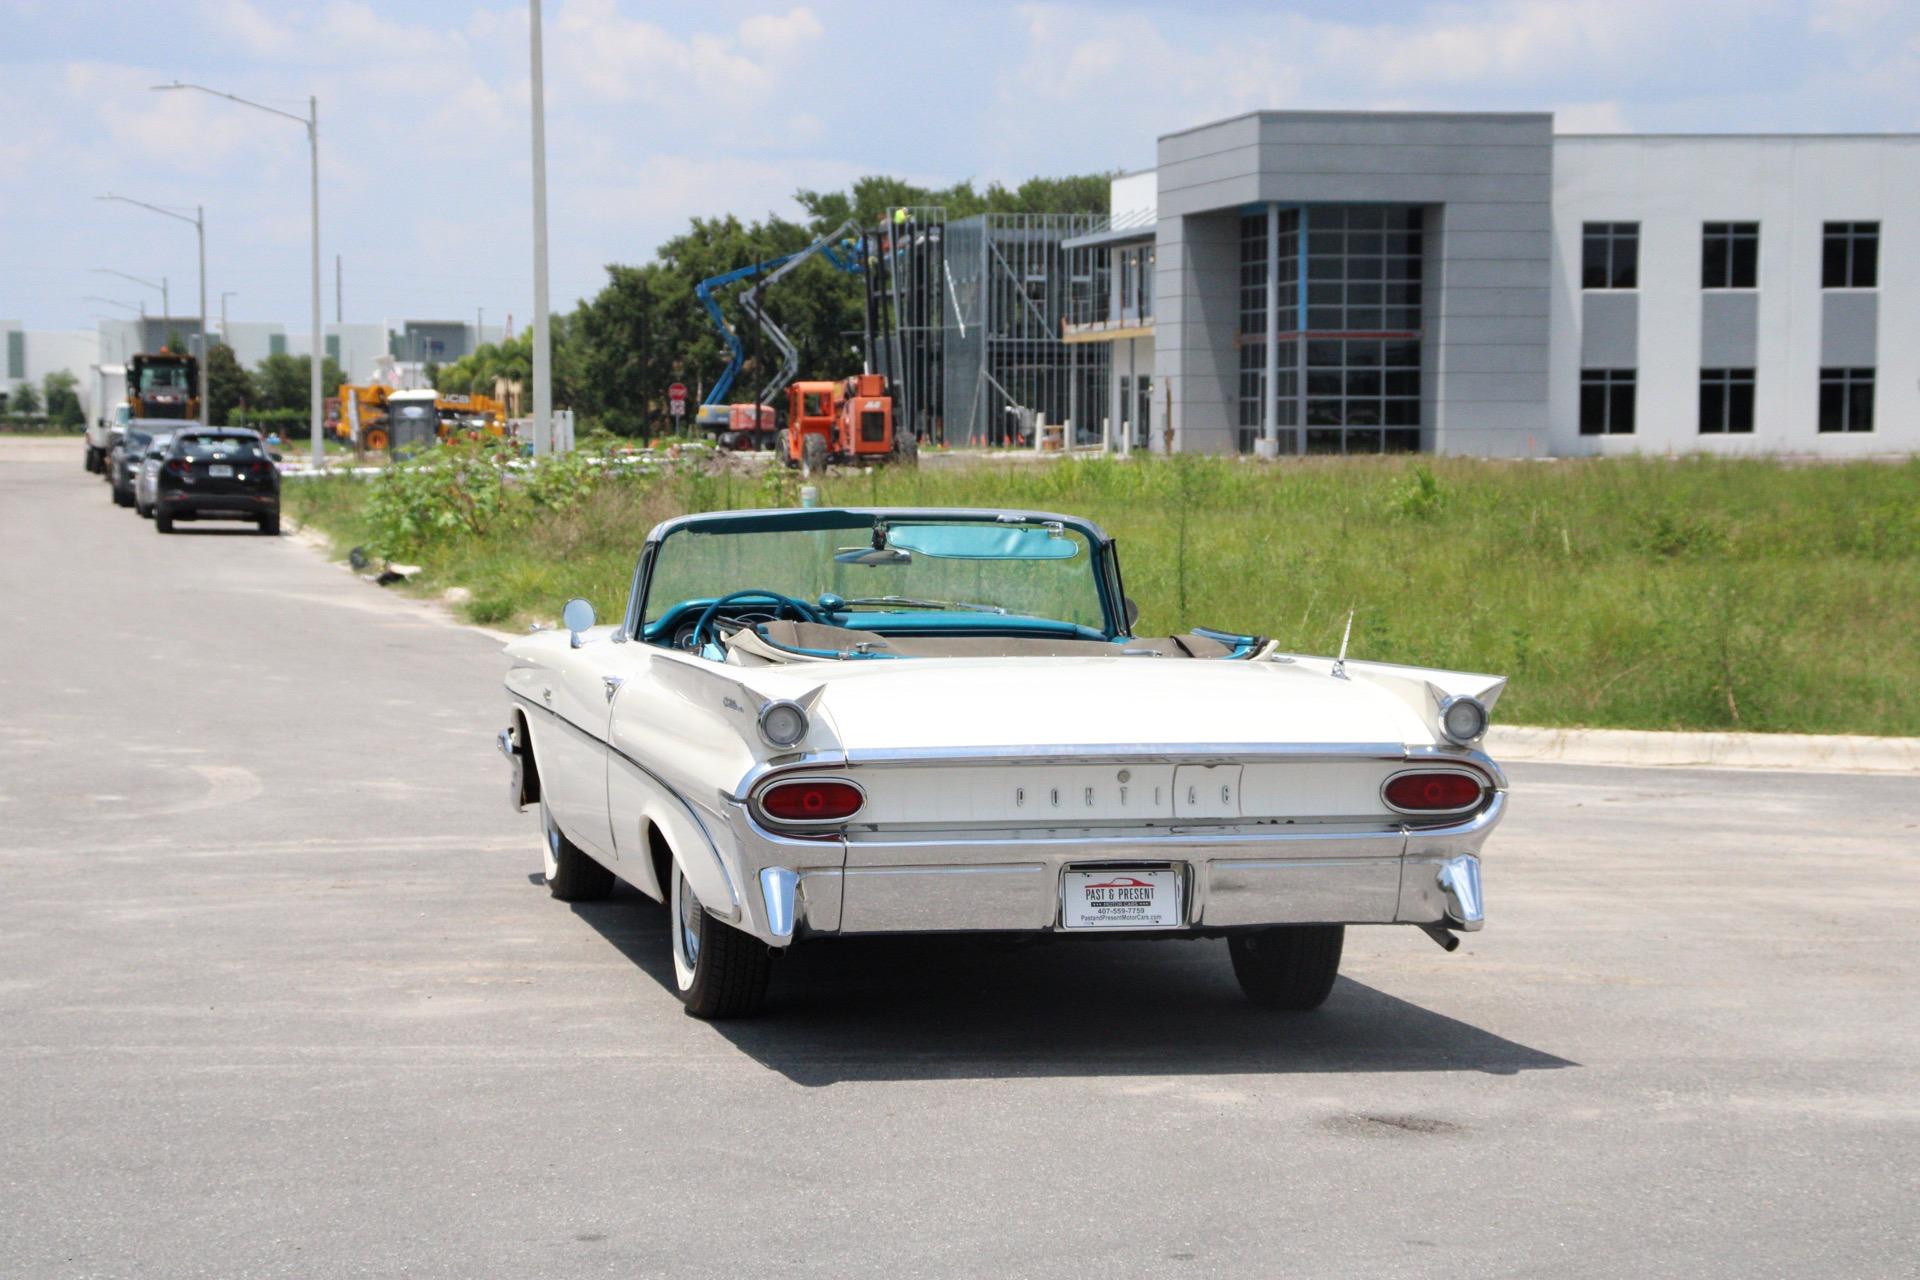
(1643, 593)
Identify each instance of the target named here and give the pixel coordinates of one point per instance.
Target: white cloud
(258, 34)
(619, 59)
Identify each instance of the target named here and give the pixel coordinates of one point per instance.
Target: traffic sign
(677, 399)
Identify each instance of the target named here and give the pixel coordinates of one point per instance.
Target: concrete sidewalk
(1802, 752)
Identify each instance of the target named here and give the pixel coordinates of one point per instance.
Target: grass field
(1655, 594)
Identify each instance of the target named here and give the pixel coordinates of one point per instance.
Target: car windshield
(924, 565)
(244, 447)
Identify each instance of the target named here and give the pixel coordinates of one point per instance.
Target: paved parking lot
(281, 996)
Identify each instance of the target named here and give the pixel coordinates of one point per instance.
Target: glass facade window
(1348, 349)
(1730, 255)
(1846, 400)
(1850, 256)
(1606, 402)
(1363, 268)
(1136, 267)
(1726, 401)
(1610, 255)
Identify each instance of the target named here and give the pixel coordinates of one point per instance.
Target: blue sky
(660, 111)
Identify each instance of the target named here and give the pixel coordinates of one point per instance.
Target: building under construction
(967, 321)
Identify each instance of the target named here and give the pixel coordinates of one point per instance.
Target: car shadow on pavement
(912, 1008)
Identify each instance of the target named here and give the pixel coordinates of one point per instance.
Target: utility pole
(542, 339)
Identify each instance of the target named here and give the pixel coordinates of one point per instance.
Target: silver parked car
(146, 477)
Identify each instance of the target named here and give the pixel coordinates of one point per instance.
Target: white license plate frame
(1112, 896)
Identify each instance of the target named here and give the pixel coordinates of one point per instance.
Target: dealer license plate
(1131, 898)
(220, 472)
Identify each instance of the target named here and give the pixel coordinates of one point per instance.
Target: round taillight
(1433, 792)
(811, 801)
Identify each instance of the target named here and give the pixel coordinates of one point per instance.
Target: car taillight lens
(1434, 792)
(815, 801)
(176, 466)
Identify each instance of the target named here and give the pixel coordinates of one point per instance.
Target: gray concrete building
(1473, 283)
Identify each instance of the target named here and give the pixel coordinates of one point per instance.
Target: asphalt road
(280, 995)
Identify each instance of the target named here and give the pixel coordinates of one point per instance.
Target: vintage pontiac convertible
(820, 723)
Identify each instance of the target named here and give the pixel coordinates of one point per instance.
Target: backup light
(783, 724)
(812, 800)
(1462, 720)
(1433, 791)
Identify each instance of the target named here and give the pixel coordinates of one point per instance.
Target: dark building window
(1606, 402)
(1850, 256)
(1610, 255)
(1846, 399)
(1363, 268)
(1730, 256)
(1726, 401)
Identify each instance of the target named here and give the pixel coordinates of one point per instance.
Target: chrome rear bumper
(1236, 878)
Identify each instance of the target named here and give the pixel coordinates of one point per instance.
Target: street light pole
(199, 221)
(311, 121)
(542, 341)
(229, 293)
(165, 306)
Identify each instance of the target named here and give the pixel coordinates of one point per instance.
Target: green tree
(228, 387)
(26, 401)
(63, 399)
(280, 381)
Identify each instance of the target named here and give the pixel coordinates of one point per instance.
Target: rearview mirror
(1133, 611)
(577, 617)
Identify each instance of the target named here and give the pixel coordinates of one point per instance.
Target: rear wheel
(162, 520)
(122, 497)
(572, 876)
(1288, 966)
(906, 449)
(813, 455)
(718, 971)
(270, 525)
(375, 439)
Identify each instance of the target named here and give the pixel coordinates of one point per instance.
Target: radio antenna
(1340, 663)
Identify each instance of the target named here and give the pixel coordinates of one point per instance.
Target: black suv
(219, 473)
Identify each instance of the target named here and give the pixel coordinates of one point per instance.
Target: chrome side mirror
(577, 617)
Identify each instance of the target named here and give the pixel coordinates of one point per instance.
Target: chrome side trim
(693, 810)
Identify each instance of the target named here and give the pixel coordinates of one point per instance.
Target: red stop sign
(677, 392)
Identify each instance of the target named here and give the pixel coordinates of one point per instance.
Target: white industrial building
(364, 351)
(1362, 282)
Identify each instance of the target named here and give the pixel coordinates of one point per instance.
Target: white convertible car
(819, 723)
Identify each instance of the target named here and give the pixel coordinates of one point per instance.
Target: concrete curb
(1801, 752)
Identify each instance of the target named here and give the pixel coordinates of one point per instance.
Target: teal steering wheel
(701, 629)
